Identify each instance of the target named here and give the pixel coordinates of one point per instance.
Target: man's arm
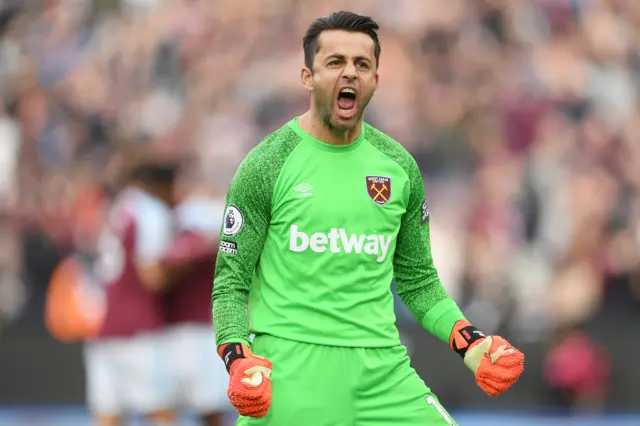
(153, 236)
(495, 363)
(244, 230)
(416, 277)
(199, 221)
(186, 252)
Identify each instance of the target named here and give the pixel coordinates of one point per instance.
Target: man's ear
(306, 76)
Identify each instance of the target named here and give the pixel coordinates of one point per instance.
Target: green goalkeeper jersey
(313, 236)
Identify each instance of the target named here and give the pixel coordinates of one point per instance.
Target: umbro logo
(302, 187)
(303, 190)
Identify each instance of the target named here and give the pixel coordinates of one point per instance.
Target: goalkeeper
(320, 217)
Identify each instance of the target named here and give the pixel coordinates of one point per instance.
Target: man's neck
(317, 128)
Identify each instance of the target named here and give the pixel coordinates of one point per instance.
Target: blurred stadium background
(523, 115)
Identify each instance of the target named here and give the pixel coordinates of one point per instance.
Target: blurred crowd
(522, 114)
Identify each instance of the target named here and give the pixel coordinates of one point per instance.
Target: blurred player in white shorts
(202, 377)
(127, 366)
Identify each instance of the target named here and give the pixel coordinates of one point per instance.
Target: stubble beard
(326, 114)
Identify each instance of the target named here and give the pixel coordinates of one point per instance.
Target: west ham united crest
(379, 189)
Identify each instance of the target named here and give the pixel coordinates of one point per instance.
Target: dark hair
(141, 163)
(346, 21)
(155, 173)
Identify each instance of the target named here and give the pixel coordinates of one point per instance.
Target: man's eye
(334, 62)
(363, 65)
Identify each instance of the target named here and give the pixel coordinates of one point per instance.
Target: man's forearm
(432, 308)
(230, 315)
(185, 253)
(441, 318)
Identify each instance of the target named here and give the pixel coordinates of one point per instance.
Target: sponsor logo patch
(228, 247)
(338, 240)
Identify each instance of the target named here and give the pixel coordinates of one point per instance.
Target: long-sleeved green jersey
(313, 236)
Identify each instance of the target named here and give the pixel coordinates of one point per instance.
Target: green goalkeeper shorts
(336, 386)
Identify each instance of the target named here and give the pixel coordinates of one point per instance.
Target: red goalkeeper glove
(249, 388)
(496, 364)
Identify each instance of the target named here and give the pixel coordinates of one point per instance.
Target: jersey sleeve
(201, 215)
(244, 230)
(416, 277)
(153, 227)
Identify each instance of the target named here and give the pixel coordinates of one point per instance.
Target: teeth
(347, 90)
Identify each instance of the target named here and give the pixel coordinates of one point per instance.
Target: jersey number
(432, 402)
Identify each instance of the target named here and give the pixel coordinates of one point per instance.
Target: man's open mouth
(347, 101)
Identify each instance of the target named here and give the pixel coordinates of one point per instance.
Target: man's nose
(349, 72)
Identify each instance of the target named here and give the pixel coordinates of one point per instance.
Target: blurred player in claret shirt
(202, 377)
(126, 362)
